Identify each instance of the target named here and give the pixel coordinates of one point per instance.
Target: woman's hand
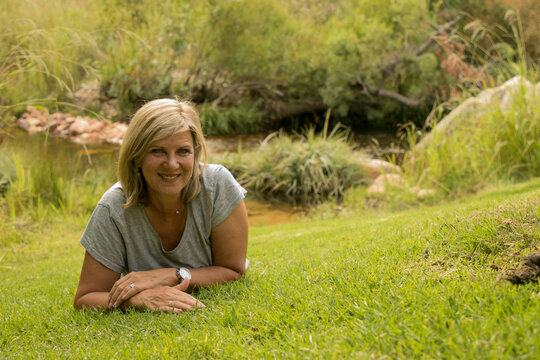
(165, 298)
(138, 281)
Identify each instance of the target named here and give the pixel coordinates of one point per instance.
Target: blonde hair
(154, 121)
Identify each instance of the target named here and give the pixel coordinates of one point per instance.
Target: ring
(131, 285)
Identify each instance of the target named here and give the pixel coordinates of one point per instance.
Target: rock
(96, 126)
(420, 193)
(501, 97)
(88, 95)
(80, 129)
(382, 181)
(375, 167)
(79, 126)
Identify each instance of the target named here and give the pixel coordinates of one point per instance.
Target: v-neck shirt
(124, 240)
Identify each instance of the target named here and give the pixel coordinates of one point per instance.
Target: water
(70, 159)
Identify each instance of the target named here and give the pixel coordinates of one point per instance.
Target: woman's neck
(166, 206)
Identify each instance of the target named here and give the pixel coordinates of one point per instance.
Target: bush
(242, 119)
(306, 169)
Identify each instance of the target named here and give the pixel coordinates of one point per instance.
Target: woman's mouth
(169, 177)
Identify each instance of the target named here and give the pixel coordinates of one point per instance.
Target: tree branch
(389, 69)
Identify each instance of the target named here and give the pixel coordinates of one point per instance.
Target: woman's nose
(172, 161)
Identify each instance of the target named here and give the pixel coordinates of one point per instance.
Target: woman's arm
(94, 285)
(229, 248)
(97, 280)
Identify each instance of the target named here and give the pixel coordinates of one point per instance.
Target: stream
(67, 156)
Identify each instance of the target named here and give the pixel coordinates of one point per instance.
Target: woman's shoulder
(113, 198)
(213, 169)
(215, 174)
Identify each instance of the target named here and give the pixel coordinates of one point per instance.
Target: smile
(169, 177)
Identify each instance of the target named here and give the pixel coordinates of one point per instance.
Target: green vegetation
(490, 146)
(305, 169)
(415, 284)
(46, 180)
(408, 283)
(261, 64)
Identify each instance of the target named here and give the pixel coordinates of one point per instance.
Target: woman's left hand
(137, 281)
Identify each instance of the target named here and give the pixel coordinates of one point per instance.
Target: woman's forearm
(92, 300)
(212, 275)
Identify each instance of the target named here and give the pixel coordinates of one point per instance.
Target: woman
(169, 225)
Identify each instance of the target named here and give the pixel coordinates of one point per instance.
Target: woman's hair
(157, 120)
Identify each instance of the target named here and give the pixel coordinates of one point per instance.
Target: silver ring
(131, 285)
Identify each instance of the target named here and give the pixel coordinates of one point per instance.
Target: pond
(72, 159)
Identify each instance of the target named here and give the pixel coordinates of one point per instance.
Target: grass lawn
(421, 283)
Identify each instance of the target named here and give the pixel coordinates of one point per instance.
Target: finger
(181, 305)
(188, 299)
(183, 286)
(118, 288)
(129, 291)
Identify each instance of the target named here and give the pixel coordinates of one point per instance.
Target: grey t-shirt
(123, 239)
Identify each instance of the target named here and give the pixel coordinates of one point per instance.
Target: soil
(528, 271)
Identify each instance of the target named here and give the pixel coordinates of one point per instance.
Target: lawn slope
(422, 283)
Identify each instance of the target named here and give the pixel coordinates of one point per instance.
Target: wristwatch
(183, 273)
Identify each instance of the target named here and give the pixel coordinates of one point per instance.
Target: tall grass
(47, 180)
(500, 145)
(304, 169)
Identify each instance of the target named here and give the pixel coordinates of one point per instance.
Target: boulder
(501, 97)
(420, 193)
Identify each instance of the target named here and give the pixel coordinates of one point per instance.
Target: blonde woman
(172, 222)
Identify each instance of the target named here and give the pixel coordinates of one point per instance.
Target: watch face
(185, 274)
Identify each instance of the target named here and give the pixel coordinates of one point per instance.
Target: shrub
(304, 169)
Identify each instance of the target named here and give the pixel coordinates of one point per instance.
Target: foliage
(299, 51)
(305, 169)
(242, 119)
(34, 66)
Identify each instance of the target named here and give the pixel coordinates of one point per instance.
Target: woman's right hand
(170, 299)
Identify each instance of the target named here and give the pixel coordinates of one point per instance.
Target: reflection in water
(264, 213)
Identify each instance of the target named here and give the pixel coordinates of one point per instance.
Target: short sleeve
(103, 240)
(228, 193)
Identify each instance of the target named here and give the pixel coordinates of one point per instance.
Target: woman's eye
(183, 151)
(156, 151)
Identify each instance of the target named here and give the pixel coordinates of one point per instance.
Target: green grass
(377, 285)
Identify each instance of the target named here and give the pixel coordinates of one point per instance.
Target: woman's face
(168, 165)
